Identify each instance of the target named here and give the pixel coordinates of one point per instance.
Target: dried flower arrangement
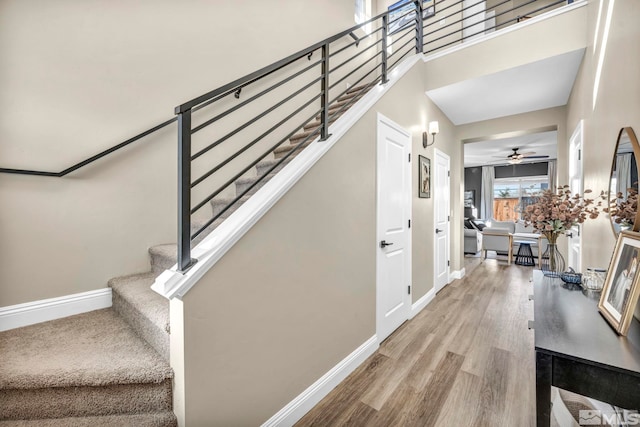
(623, 211)
(555, 212)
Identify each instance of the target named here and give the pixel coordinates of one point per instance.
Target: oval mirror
(623, 184)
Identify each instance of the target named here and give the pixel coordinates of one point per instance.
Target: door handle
(384, 244)
(438, 230)
(569, 234)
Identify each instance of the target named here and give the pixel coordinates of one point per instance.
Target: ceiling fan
(515, 157)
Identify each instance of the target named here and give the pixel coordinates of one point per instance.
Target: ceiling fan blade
(536, 157)
(527, 154)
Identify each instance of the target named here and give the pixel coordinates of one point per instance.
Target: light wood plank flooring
(466, 360)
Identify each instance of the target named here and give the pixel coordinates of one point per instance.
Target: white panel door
(441, 207)
(575, 180)
(393, 297)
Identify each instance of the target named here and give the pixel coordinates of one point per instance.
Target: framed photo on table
(621, 286)
(424, 177)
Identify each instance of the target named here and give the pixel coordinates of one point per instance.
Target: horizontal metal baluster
(353, 71)
(412, 40)
(455, 13)
(465, 18)
(482, 31)
(400, 59)
(253, 98)
(355, 56)
(342, 49)
(253, 120)
(239, 174)
(241, 195)
(252, 143)
(402, 16)
(352, 101)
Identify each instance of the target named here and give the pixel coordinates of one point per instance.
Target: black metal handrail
(90, 159)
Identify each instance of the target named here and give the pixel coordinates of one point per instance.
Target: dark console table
(577, 350)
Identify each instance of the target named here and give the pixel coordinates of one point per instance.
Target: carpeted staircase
(110, 367)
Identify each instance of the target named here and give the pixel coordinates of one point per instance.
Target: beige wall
(554, 36)
(616, 106)
(297, 293)
(78, 77)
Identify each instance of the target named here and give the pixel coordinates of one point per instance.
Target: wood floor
(466, 360)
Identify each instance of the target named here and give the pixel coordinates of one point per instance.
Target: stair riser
(59, 402)
(161, 262)
(147, 330)
(217, 208)
(153, 419)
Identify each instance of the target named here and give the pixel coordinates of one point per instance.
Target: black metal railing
(91, 159)
(317, 95)
(228, 133)
(460, 21)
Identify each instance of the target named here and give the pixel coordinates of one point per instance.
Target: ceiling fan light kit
(516, 158)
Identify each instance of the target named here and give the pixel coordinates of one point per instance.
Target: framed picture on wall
(403, 17)
(621, 286)
(469, 198)
(424, 177)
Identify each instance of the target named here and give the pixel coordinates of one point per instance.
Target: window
(510, 195)
(361, 11)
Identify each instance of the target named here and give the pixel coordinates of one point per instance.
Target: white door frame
(379, 203)
(576, 142)
(437, 288)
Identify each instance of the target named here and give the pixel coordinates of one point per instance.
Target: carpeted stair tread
(153, 419)
(284, 149)
(91, 349)
(146, 311)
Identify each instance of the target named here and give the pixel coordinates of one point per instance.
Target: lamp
(434, 128)
(515, 160)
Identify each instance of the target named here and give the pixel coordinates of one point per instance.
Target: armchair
(499, 238)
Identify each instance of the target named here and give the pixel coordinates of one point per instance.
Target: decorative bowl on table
(571, 277)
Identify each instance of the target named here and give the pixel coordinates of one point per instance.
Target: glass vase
(552, 261)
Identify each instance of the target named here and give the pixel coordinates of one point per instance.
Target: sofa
(473, 235)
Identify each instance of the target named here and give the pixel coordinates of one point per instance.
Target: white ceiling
(495, 151)
(531, 87)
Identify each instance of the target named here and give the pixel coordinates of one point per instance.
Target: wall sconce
(434, 129)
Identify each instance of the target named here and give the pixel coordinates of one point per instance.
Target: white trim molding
(173, 284)
(16, 316)
(417, 306)
(309, 398)
(457, 274)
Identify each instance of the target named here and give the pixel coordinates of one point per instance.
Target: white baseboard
(302, 404)
(417, 306)
(458, 274)
(15, 316)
